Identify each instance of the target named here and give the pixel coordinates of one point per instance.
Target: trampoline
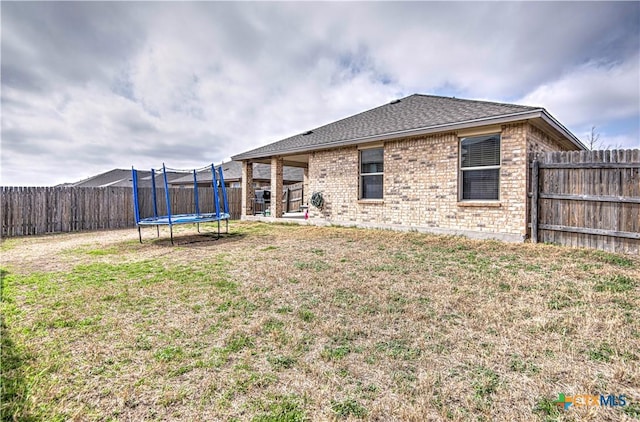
(161, 214)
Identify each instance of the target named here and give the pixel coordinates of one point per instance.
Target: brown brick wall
(421, 187)
(276, 186)
(538, 141)
(247, 188)
(335, 174)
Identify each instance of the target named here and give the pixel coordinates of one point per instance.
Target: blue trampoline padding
(182, 219)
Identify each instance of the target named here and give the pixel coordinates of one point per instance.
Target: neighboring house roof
(414, 115)
(122, 178)
(115, 177)
(232, 171)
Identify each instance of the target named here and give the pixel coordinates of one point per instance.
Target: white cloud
(592, 93)
(91, 86)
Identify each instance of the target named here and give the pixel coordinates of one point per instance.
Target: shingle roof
(122, 178)
(416, 111)
(113, 177)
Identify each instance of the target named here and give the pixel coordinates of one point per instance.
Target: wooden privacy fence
(292, 197)
(292, 200)
(39, 210)
(587, 199)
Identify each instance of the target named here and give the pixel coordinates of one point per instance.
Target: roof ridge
(476, 101)
(354, 115)
(95, 176)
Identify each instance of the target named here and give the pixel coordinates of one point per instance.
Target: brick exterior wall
(421, 186)
(247, 188)
(538, 141)
(276, 186)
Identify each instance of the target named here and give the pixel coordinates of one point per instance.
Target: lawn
(292, 323)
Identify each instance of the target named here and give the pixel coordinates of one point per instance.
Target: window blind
(481, 151)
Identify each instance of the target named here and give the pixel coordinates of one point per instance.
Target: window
(480, 168)
(371, 173)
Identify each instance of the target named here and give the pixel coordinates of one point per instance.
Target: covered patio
(276, 209)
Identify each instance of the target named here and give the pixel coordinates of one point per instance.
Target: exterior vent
(309, 132)
(394, 102)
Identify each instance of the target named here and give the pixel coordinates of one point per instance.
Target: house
(424, 163)
(233, 175)
(122, 178)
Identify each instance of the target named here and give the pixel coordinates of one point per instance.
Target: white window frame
(360, 174)
(492, 167)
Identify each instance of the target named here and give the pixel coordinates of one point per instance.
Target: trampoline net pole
(214, 184)
(153, 191)
(195, 193)
(134, 179)
(224, 192)
(166, 193)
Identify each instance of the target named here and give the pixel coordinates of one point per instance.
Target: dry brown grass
(303, 323)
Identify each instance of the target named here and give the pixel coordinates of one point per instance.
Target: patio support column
(305, 186)
(276, 186)
(247, 188)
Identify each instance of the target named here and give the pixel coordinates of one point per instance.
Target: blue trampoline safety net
(170, 196)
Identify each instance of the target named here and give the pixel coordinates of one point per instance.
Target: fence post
(534, 200)
(287, 194)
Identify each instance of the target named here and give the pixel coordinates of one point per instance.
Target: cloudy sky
(87, 87)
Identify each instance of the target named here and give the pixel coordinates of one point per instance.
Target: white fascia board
(548, 118)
